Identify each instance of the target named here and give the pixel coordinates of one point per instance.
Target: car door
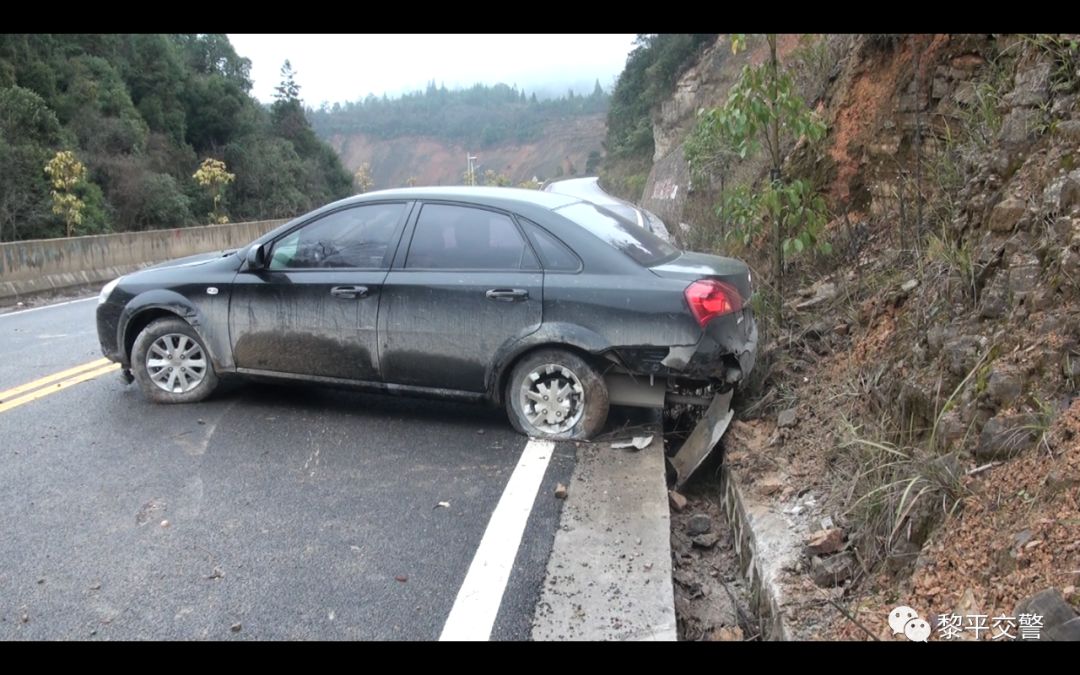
(467, 284)
(313, 310)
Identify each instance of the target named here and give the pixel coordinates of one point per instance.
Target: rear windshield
(643, 246)
(627, 212)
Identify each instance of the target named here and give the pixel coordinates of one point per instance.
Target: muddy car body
(544, 303)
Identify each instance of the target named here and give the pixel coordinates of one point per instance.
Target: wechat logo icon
(905, 620)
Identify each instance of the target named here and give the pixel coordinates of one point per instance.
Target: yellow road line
(29, 386)
(64, 384)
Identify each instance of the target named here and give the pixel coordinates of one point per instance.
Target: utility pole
(472, 167)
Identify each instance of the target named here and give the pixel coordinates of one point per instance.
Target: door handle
(507, 294)
(349, 292)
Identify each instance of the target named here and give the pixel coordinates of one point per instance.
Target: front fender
(178, 305)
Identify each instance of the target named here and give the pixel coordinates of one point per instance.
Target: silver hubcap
(176, 363)
(552, 398)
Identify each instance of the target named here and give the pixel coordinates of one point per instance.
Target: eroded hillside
(927, 365)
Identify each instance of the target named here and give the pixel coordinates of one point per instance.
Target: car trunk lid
(691, 266)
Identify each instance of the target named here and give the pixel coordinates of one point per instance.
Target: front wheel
(171, 364)
(556, 395)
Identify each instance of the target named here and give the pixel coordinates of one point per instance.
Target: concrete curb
(609, 574)
(765, 545)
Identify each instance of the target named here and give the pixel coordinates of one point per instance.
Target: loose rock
(1006, 436)
(726, 634)
(824, 542)
(699, 523)
(1066, 632)
(1069, 197)
(1022, 537)
(1069, 130)
(1003, 387)
(705, 540)
(1006, 214)
(1048, 603)
(560, 491)
(770, 486)
(677, 501)
(833, 570)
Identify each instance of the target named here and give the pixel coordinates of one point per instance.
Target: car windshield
(643, 246)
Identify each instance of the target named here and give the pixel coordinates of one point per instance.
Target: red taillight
(709, 298)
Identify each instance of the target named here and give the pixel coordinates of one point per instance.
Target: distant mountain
(426, 135)
(561, 148)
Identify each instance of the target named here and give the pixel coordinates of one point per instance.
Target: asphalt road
(265, 512)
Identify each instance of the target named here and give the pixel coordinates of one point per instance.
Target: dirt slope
(932, 366)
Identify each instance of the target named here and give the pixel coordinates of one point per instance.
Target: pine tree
(288, 91)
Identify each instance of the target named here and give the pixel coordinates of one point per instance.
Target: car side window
(358, 237)
(554, 254)
(462, 237)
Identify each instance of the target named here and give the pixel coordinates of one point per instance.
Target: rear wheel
(556, 395)
(171, 364)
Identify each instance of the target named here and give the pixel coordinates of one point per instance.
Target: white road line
(477, 603)
(59, 304)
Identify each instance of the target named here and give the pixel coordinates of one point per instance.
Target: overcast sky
(342, 68)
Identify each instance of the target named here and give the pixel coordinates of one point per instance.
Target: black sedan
(551, 306)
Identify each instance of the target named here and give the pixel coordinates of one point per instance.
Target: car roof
(587, 189)
(528, 203)
(493, 196)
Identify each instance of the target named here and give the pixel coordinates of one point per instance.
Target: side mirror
(256, 257)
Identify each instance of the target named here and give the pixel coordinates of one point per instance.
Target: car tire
(578, 415)
(171, 364)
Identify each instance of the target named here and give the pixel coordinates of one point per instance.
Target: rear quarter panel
(624, 310)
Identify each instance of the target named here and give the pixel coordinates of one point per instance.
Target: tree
(139, 111)
(763, 110)
(495, 179)
(362, 178)
(288, 110)
(213, 176)
(592, 163)
(28, 128)
(287, 90)
(66, 173)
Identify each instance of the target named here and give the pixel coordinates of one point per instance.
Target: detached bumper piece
(703, 438)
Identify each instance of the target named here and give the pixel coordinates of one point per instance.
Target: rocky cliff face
(705, 85)
(932, 360)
